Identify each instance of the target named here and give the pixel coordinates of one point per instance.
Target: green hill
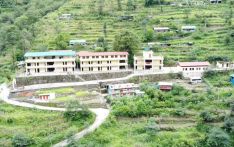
(34, 25)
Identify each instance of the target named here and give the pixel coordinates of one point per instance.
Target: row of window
(100, 62)
(48, 63)
(49, 57)
(192, 69)
(149, 61)
(97, 57)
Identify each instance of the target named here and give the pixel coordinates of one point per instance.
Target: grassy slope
(44, 127)
(87, 25)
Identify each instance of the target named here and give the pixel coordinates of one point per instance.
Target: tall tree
(127, 41)
(105, 29)
(130, 5)
(119, 5)
(101, 7)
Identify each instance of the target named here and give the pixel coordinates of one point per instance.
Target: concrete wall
(32, 80)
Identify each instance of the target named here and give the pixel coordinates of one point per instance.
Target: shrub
(229, 124)
(218, 138)
(207, 116)
(75, 111)
(152, 127)
(21, 140)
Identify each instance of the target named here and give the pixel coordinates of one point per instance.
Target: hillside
(34, 25)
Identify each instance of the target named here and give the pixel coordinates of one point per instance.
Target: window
(112, 56)
(97, 57)
(61, 57)
(83, 57)
(33, 58)
(102, 56)
(87, 57)
(28, 64)
(116, 56)
(93, 57)
(37, 64)
(106, 56)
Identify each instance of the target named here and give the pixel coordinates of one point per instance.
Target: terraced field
(208, 40)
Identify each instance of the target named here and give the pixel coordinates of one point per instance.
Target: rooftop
(51, 53)
(188, 64)
(86, 53)
(165, 84)
(123, 86)
(161, 28)
(188, 27)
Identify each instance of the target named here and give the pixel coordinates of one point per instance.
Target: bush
(21, 140)
(229, 124)
(74, 111)
(207, 116)
(218, 138)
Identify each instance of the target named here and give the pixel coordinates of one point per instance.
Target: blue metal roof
(51, 53)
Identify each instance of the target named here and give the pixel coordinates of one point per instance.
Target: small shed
(126, 17)
(81, 42)
(232, 79)
(65, 16)
(165, 86)
(215, 1)
(195, 80)
(188, 29)
(46, 97)
(161, 29)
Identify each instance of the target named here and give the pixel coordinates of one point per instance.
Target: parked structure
(193, 69)
(128, 89)
(165, 86)
(188, 29)
(103, 61)
(195, 80)
(81, 42)
(148, 62)
(50, 62)
(161, 29)
(65, 16)
(215, 1)
(225, 64)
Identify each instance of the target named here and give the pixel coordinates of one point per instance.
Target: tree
(61, 42)
(21, 140)
(152, 127)
(101, 42)
(76, 111)
(218, 138)
(101, 7)
(105, 29)
(127, 41)
(149, 35)
(119, 5)
(148, 3)
(130, 5)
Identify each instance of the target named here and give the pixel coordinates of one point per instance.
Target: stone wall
(33, 80)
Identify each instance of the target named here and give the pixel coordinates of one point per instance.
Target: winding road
(101, 114)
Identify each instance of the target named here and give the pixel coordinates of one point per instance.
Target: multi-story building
(148, 62)
(128, 89)
(50, 62)
(193, 69)
(102, 61)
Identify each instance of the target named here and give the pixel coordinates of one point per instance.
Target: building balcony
(51, 66)
(49, 60)
(103, 59)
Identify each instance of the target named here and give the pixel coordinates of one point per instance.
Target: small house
(46, 97)
(165, 86)
(81, 42)
(232, 79)
(161, 29)
(65, 17)
(193, 69)
(188, 29)
(225, 64)
(127, 89)
(215, 1)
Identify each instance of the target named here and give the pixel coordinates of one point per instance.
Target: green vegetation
(24, 127)
(35, 26)
(177, 118)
